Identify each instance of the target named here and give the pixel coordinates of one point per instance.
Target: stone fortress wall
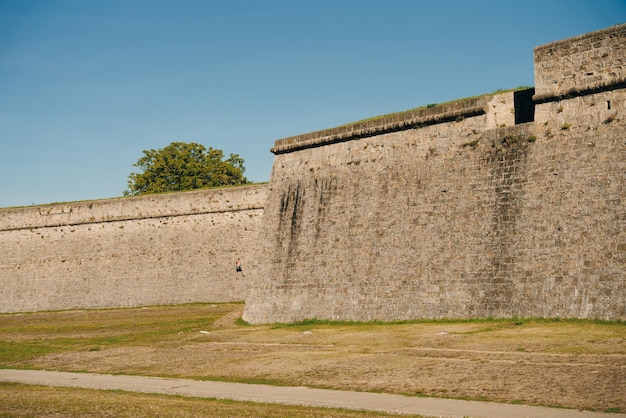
(499, 206)
(147, 250)
(507, 205)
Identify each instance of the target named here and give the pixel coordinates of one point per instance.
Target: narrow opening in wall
(524, 106)
(608, 104)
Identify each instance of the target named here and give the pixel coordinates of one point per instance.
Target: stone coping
(600, 34)
(149, 206)
(391, 123)
(577, 92)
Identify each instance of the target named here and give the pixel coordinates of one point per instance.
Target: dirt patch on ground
(570, 364)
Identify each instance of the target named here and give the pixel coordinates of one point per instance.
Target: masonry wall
(455, 211)
(583, 64)
(148, 250)
(497, 206)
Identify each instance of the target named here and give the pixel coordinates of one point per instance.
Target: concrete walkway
(431, 407)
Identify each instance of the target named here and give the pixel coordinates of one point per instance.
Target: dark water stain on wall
(290, 221)
(507, 176)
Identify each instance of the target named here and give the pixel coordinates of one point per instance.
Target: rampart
(505, 205)
(582, 65)
(148, 250)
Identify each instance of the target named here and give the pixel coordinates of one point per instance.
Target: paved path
(431, 407)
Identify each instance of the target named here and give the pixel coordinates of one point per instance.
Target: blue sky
(87, 85)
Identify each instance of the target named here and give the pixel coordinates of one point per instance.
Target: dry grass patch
(18, 400)
(574, 364)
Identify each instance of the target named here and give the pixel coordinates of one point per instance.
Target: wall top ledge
(151, 206)
(391, 123)
(613, 31)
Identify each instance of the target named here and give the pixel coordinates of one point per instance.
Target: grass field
(17, 400)
(560, 363)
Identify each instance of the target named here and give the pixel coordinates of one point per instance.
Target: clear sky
(87, 85)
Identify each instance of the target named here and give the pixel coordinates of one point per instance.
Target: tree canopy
(184, 166)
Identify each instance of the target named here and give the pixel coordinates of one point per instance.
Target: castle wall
(454, 211)
(147, 250)
(583, 64)
(503, 205)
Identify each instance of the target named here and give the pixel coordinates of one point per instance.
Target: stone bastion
(509, 204)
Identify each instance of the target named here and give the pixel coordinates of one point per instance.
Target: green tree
(184, 166)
